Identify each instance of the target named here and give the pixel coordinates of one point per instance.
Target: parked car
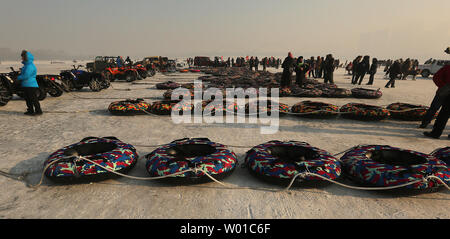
(431, 66)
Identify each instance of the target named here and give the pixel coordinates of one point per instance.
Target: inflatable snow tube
(165, 107)
(358, 111)
(185, 94)
(362, 93)
(383, 166)
(168, 85)
(307, 92)
(184, 71)
(214, 158)
(336, 93)
(311, 109)
(213, 108)
(194, 70)
(285, 92)
(257, 108)
(129, 107)
(407, 112)
(109, 152)
(278, 162)
(443, 155)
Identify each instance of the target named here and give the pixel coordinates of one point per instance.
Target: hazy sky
(382, 28)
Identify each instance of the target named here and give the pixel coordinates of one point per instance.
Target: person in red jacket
(442, 81)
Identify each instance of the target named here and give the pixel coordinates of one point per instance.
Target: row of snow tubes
(310, 109)
(297, 92)
(274, 161)
(331, 92)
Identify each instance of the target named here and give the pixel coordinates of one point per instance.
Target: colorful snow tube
(129, 107)
(279, 162)
(214, 158)
(212, 108)
(109, 152)
(168, 85)
(267, 109)
(384, 166)
(186, 94)
(307, 92)
(362, 93)
(184, 70)
(443, 155)
(407, 112)
(165, 107)
(311, 109)
(364, 112)
(285, 92)
(194, 70)
(336, 93)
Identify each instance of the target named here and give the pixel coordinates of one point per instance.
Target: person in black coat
(362, 69)
(300, 70)
(288, 68)
(256, 63)
(328, 69)
(394, 71)
(355, 64)
(373, 70)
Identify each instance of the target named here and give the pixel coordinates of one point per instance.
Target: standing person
(128, 61)
(278, 62)
(355, 64)
(288, 67)
(373, 70)
(406, 68)
(442, 81)
(232, 62)
(251, 62)
(264, 63)
(29, 84)
(256, 63)
(394, 70)
(362, 69)
(119, 62)
(300, 72)
(318, 67)
(328, 69)
(312, 67)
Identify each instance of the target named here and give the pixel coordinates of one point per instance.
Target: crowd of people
(317, 68)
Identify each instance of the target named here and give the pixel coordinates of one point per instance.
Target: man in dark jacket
(328, 69)
(256, 63)
(362, 69)
(394, 70)
(373, 70)
(288, 68)
(442, 98)
(355, 64)
(300, 70)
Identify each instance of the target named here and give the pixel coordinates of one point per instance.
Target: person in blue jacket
(29, 84)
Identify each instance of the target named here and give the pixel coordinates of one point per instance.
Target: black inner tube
(90, 149)
(292, 153)
(191, 150)
(396, 158)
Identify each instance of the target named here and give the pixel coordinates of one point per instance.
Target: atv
(76, 79)
(9, 85)
(106, 65)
